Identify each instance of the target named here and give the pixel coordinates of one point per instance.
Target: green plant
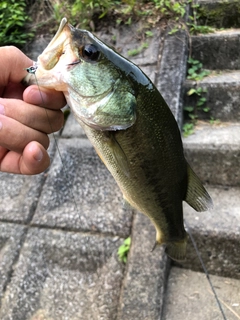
(214, 121)
(83, 11)
(176, 12)
(195, 29)
(188, 129)
(149, 33)
(196, 73)
(136, 51)
(199, 91)
(176, 9)
(195, 70)
(192, 112)
(193, 26)
(13, 19)
(124, 249)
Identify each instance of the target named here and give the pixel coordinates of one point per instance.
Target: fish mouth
(74, 63)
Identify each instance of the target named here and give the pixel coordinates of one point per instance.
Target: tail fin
(197, 196)
(176, 250)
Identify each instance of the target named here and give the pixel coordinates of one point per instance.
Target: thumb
(34, 160)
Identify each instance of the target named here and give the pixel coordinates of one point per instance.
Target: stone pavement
(60, 230)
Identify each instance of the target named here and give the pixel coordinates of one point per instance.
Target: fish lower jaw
(93, 121)
(97, 126)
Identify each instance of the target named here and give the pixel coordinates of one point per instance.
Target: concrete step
(214, 153)
(189, 297)
(217, 233)
(219, 14)
(222, 94)
(219, 50)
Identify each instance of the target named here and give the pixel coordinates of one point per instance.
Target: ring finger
(15, 136)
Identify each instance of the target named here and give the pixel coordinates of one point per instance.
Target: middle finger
(38, 118)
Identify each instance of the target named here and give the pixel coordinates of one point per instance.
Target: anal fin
(197, 196)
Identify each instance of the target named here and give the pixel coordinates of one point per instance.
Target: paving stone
(214, 153)
(10, 243)
(144, 283)
(189, 297)
(217, 233)
(81, 194)
(223, 95)
(218, 50)
(19, 196)
(172, 71)
(64, 275)
(72, 128)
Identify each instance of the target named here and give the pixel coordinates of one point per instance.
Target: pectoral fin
(197, 196)
(118, 154)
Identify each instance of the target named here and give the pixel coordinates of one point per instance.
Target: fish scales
(130, 126)
(149, 157)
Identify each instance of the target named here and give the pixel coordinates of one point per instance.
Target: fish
(130, 126)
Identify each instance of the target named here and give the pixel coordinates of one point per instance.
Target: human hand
(24, 123)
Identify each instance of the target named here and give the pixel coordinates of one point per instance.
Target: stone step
(189, 297)
(222, 94)
(219, 14)
(216, 232)
(214, 153)
(218, 50)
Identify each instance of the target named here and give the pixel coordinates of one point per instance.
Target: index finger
(44, 97)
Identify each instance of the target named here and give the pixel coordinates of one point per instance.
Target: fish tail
(176, 250)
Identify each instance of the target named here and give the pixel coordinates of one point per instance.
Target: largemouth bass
(130, 126)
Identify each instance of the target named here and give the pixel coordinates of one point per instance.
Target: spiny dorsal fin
(197, 196)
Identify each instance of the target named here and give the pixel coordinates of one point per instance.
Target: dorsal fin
(197, 196)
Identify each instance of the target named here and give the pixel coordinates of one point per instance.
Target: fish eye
(89, 52)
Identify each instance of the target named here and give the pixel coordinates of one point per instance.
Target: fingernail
(39, 155)
(0, 125)
(2, 109)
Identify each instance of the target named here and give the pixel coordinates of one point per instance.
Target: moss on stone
(224, 14)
